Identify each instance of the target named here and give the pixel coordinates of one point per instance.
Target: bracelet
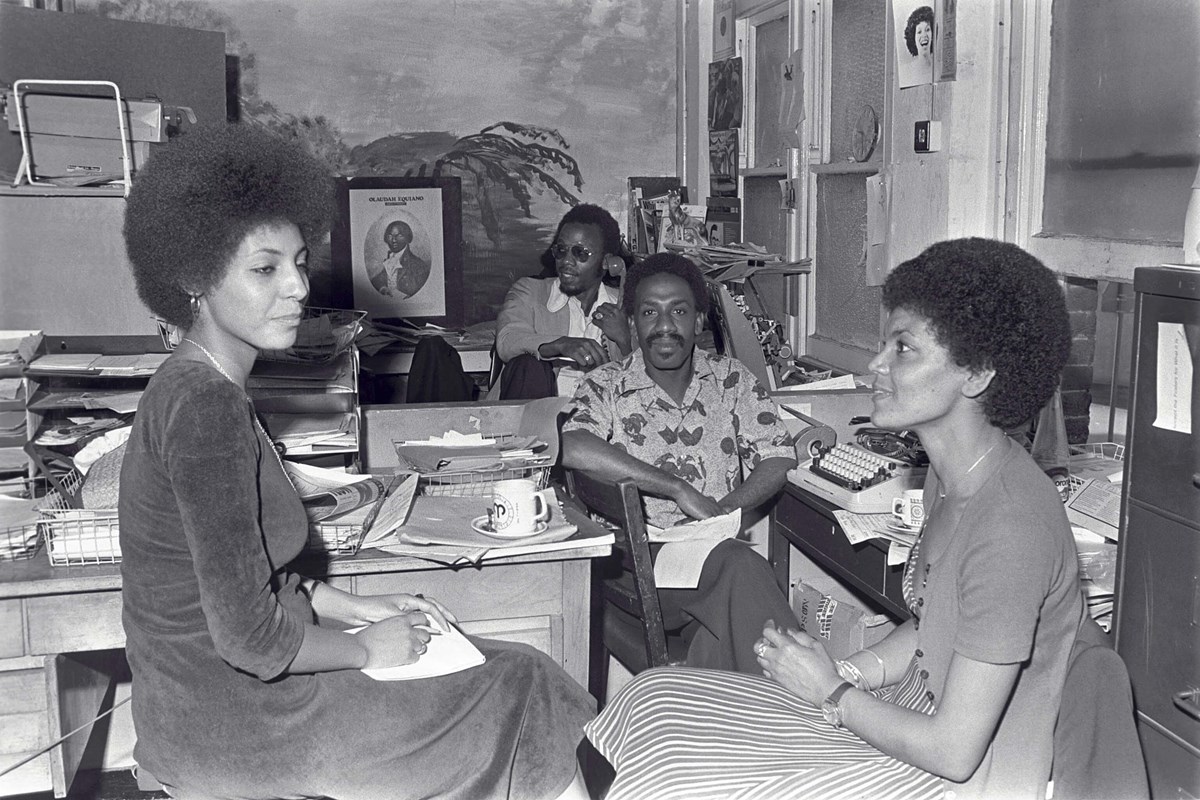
(882, 666)
(851, 673)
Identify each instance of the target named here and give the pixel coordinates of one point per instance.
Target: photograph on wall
(723, 163)
(723, 30)
(725, 94)
(395, 249)
(916, 29)
(681, 225)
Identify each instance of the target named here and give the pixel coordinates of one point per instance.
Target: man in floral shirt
(701, 437)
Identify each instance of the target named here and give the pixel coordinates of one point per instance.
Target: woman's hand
(397, 640)
(613, 323)
(797, 662)
(375, 607)
(586, 353)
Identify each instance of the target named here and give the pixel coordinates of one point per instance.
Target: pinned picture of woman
(914, 61)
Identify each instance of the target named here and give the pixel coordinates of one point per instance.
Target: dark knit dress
(213, 617)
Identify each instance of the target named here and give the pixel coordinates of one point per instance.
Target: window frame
(1075, 256)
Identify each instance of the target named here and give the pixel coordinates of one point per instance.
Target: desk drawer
(74, 623)
(863, 566)
(494, 592)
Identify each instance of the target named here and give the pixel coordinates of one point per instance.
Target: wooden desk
(53, 618)
(806, 521)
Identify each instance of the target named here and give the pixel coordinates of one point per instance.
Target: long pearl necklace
(228, 377)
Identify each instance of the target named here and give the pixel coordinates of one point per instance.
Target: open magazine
(328, 493)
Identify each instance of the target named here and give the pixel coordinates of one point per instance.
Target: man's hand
(613, 323)
(587, 353)
(695, 504)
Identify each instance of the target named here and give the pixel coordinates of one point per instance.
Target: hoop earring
(194, 305)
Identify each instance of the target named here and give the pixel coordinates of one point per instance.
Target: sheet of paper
(840, 382)
(681, 559)
(448, 651)
(393, 511)
(1174, 399)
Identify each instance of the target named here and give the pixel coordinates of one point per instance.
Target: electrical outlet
(927, 136)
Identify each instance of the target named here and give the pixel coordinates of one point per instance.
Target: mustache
(674, 337)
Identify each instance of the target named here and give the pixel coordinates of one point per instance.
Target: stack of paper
(309, 433)
(1097, 573)
(456, 452)
(18, 528)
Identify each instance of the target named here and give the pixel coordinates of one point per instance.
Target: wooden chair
(626, 617)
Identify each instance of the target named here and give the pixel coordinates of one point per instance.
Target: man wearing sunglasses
(552, 331)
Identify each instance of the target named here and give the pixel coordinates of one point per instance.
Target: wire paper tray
(337, 538)
(20, 542)
(478, 484)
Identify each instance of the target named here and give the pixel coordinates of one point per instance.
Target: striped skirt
(678, 732)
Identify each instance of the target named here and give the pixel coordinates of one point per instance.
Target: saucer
(484, 526)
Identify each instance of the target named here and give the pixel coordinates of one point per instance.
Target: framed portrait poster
(396, 248)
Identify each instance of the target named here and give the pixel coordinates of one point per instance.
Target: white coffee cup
(909, 507)
(518, 507)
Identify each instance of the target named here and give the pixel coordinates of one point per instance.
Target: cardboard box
(78, 157)
(89, 117)
(843, 628)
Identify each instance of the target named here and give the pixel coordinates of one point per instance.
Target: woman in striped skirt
(960, 700)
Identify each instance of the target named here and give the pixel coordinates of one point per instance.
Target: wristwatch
(831, 709)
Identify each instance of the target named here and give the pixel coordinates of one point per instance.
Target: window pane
(770, 52)
(1123, 124)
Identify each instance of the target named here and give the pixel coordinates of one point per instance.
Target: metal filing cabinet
(1158, 589)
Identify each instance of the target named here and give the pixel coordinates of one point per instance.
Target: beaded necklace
(259, 425)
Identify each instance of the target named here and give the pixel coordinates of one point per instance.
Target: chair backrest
(1097, 754)
(621, 504)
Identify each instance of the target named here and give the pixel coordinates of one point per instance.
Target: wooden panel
(24, 734)
(511, 590)
(12, 639)
(54, 623)
(75, 690)
(537, 632)
(22, 690)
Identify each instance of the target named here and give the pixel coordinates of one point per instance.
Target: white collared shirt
(580, 327)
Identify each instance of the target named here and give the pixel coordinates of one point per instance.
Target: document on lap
(447, 651)
(686, 547)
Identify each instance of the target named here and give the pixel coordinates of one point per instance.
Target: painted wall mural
(534, 104)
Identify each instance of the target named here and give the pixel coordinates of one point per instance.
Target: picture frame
(396, 248)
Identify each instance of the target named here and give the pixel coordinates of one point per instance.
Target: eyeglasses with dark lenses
(560, 250)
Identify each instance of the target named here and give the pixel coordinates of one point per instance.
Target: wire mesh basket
(336, 538)
(479, 482)
(76, 536)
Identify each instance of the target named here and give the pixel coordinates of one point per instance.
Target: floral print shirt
(726, 424)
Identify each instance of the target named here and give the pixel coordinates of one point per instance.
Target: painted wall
(386, 88)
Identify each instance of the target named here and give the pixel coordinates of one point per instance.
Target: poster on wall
(723, 28)
(915, 32)
(396, 248)
(723, 163)
(946, 48)
(725, 94)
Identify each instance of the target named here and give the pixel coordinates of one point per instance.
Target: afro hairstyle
(588, 214)
(197, 199)
(992, 306)
(920, 14)
(671, 264)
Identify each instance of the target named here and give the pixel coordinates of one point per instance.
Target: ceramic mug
(910, 508)
(518, 507)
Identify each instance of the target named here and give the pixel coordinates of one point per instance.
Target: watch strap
(830, 708)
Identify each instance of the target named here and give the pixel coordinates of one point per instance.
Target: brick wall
(1077, 377)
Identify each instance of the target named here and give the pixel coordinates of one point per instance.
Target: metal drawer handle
(1187, 702)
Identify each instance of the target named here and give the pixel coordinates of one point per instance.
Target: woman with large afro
(245, 684)
(961, 698)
